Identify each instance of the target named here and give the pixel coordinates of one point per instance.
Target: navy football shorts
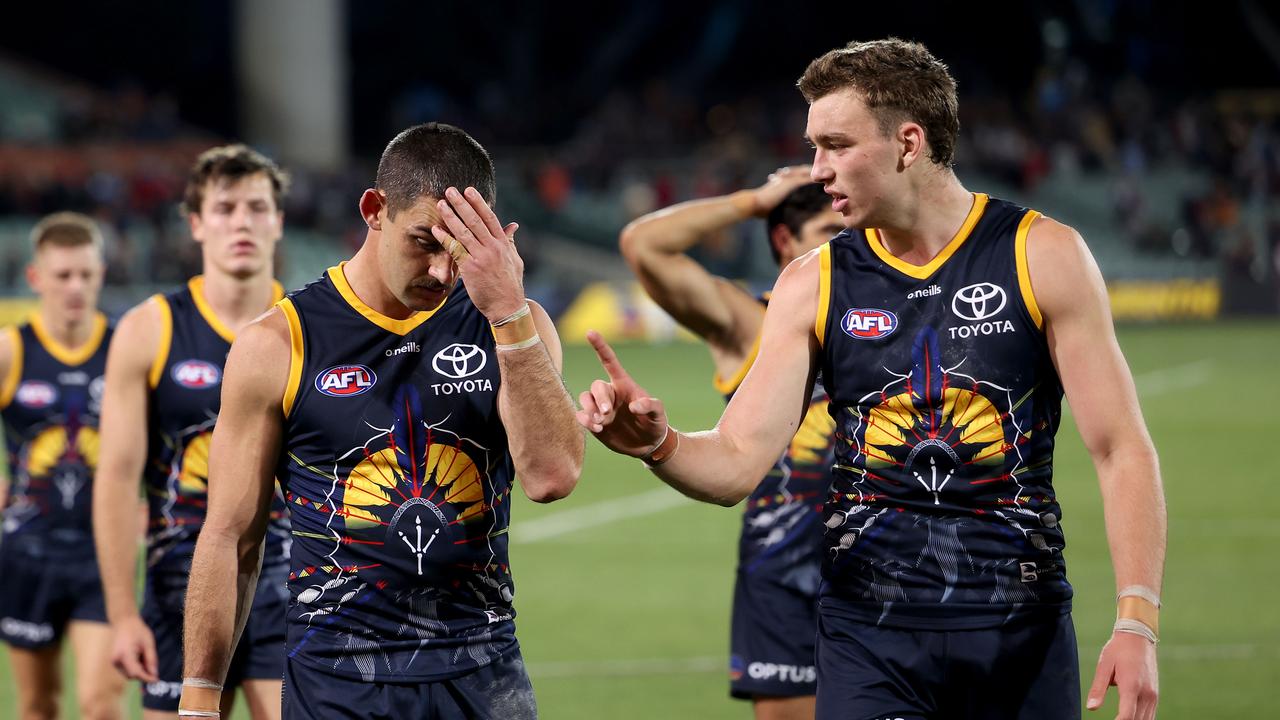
(498, 691)
(259, 656)
(773, 633)
(39, 598)
(1022, 671)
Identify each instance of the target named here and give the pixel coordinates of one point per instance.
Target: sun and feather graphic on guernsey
(907, 442)
(418, 504)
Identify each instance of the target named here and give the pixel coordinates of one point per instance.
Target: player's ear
(781, 238)
(372, 203)
(911, 139)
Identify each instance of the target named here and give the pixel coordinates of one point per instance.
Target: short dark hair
(796, 209)
(899, 81)
(229, 163)
(66, 229)
(426, 160)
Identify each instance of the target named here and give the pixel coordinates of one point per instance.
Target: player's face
(415, 266)
(857, 164)
(68, 280)
(819, 228)
(239, 225)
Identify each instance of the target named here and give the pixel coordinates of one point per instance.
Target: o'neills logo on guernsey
(868, 323)
(196, 374)
(409, 347)
(925, 292)
(346, 380)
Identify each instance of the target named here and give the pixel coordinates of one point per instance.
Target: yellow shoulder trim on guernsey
(9, 384)
(64, 354)
(824, 293)
(399, 327)
(1024, 274)
(295, 355)
(725, 387)
(196, 285)
(166, 339)
(921, 272)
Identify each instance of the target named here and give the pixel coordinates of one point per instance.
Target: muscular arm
(1072, 296)
(123, 442)
(242, 459)
(713, 308)
(724, 464)
(545, 440)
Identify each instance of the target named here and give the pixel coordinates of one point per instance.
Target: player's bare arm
(8, 384)
(123, 423)
(721, 465)
(1099, 387)
(715, 309)
(243, 454)
(546, 444)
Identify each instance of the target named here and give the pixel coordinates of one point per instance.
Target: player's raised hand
(484, 250)
(779, 185)
(620, 413)
(1127, 661)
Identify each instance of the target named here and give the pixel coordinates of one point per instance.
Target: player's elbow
(551, 482)
(633, 242)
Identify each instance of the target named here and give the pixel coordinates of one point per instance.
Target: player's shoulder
(142, 326)
(268, 333)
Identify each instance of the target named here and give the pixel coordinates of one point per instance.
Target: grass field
(623, 589)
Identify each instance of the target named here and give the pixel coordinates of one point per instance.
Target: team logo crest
(196, 374)
(346, 380)
(868, 323)
(36, 394)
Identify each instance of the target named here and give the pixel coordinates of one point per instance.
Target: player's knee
(100, 701)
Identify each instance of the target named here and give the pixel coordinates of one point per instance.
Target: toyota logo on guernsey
(868, 323)
(196, 374)
(979, 301)
(459, 360)
(346, 380)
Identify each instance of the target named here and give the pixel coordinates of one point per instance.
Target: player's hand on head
(484, 250)
(133, 650)
(1128, 662)
(620, 413)
(779, 185)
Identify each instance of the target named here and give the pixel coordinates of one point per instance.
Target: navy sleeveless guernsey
(396, 468)
(186, 390)
(781, 534)
(50, 404)
(942, 513)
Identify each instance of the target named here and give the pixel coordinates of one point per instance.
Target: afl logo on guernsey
(868, 323)
(36, 394)
(346, 380)
(196, 374)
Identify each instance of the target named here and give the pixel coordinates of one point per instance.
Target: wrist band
(1140, 591)
(1135, 627)
(515, 331)
(196, 682)
(513, 316)
(663, 451)
(199, 713)
(520, 345)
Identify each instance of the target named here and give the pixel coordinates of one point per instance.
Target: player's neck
(70, 333)
(366, 282)
(929, 220)
(237, 301)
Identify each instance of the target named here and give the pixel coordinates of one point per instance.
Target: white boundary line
(596, 514)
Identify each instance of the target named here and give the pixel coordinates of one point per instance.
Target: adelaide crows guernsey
(942, 512)
(781, 531)
(186, 389)
(50, 404)
(396, 468)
